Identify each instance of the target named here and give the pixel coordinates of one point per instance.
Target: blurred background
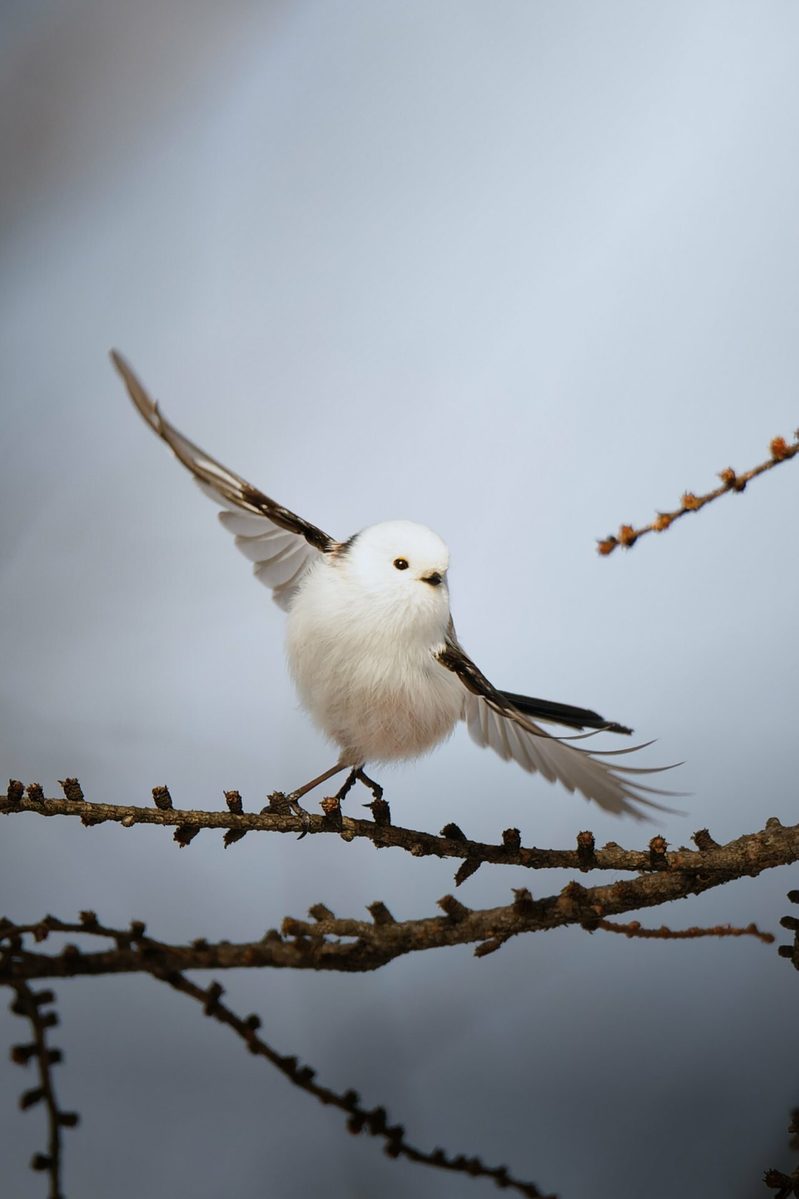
(520, 272)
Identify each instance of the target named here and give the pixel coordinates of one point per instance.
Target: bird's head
(402, 564)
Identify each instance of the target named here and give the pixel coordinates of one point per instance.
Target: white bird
(372, 646)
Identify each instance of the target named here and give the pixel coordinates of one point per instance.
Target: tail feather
(565, 714)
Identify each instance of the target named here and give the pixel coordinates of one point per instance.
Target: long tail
(566, 714)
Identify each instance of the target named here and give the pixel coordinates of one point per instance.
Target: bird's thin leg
(349, 783)
(293, 799)
(374, 787)
(320, 778)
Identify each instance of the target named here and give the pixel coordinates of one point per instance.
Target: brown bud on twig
(277, 802)
(453, 908)
(213, 994)
(467, 868)
(234, 802)
(233, 835)
(703, 840)
(586, 849)
(21, 1054)
(512, 839)
(453, 832)
(162, 798)
(491, 946)
(331, 809)
(380, 913)
(185, 833)
(657, 851)
(522, 901)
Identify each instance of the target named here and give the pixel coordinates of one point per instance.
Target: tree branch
(154, 960)
(627, 536)
(350, 945)
(450, 843)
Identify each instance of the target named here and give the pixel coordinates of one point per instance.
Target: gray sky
(518, 271)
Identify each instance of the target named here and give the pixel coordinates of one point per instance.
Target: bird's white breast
(365, 669)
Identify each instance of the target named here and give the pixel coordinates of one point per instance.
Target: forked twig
(154, 958)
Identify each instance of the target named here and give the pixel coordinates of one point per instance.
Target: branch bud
(162, 799)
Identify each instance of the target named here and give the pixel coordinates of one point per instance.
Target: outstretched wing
(493, 720)
(280, 544)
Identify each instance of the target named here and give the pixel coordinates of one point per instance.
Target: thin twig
(787, 1185)
(30, 1005)
(634, 929)
(627, 536)
(374, 1121)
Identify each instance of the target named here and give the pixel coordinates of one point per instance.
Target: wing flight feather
(493, 721)
(280, 544)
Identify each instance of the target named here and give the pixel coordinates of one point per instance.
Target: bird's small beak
(434, 579)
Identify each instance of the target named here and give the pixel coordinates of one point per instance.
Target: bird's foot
(299, 811)
(374, 787)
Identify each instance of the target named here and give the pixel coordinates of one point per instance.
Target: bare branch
(374, 1121)
(350, 945)
(627, 536)
(451, 843)
(154, 960)
(30, 1005)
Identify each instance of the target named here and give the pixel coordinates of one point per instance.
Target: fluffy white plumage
(371, 643)
(361, 636)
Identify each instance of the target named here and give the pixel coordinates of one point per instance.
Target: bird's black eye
(401, 563)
